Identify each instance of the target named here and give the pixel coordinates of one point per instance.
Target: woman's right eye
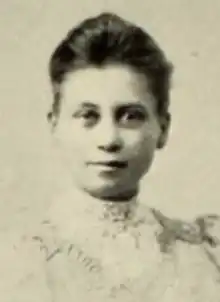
(89, 117)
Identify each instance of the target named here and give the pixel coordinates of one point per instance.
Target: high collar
(76, 201)
(76, 212)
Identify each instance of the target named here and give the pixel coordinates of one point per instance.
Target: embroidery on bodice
(109, 282)
(127, 234)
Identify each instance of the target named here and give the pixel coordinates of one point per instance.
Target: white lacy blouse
(87, 251)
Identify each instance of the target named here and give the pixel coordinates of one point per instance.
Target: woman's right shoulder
(22, 263)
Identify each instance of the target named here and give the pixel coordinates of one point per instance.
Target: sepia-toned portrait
(110, 152)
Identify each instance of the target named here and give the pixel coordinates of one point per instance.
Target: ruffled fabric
(79, 254)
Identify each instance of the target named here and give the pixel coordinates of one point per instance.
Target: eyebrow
(131, 105)
(89, 105)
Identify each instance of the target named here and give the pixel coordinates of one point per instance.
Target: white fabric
(76, 256)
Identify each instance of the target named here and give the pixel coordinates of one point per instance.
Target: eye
(89, 117)
(132, 117)
(89, 114)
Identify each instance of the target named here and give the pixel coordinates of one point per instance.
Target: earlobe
(165, 127)
(162, 141)
(52, 120)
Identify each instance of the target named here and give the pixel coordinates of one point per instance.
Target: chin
(102, 190)
(106, 186)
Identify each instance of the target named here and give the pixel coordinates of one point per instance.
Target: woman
(101, 242)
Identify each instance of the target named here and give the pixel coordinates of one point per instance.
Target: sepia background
(185, 177)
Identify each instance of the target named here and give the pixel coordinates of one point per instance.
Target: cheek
(141, 149)
(70, 141)
(142, 156)
(143, 153)
(142, 142)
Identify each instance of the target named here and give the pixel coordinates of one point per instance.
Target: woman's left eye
(133, 116)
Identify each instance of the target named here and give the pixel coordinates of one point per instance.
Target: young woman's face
(108, 129)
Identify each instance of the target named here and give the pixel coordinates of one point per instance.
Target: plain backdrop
(184, 179)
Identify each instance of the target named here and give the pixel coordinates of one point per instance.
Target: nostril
(114, 147)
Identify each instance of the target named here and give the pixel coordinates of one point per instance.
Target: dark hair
(107, 38)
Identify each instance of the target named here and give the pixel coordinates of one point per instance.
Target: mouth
(110, 165)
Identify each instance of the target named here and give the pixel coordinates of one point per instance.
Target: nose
(108, 137)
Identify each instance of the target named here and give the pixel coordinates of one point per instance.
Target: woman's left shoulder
(210, 232)
(196, 242)
(198, 260)
(202, 256)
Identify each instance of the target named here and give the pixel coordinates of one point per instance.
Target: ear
(165, 121)
(53, 115)
(52, 120)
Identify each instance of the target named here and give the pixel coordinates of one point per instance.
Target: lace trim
(195, 232)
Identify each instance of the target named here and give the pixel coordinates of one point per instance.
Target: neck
(76, 211)
(122, 197)
(90, 209)
(113, 207)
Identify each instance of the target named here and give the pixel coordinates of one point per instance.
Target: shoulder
(210, 229)
(192, 245)
(198, 259)
(202, 230)
(197, 241)
(196, 253)
(22, 264)
(196, 277)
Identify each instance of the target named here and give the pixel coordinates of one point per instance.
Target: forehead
(105, 86)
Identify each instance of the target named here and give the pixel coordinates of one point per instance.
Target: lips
(112, 164)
